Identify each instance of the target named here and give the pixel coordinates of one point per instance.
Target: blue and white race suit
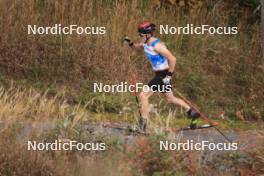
(157, 61)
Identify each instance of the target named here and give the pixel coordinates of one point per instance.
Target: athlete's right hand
(127, 41)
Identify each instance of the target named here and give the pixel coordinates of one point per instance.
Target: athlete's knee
(143, 96)
(170, 99)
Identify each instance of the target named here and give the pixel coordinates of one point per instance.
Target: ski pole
(202, 115)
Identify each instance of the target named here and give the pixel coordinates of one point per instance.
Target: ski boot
(194, 118)
(142, 124)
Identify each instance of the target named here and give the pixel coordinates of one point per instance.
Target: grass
(214, 71)
(49, 78)
(142, 158)
(18, 103)
(24, 103)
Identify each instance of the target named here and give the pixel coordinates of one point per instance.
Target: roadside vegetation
(141, 158)
(49, 79)
(220, 73)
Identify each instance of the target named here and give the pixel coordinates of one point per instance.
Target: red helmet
(146, 27)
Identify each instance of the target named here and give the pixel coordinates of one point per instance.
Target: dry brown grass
(227, 64)
(64, 58)
(230, 61)
(19, 103)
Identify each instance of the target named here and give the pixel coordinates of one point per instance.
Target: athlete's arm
(137, 46)
(161, 49)
(133, 45)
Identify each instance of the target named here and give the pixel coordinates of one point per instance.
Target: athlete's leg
(172, 99)
(191, 112)
(144, 96)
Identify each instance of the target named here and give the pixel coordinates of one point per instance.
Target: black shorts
(157, 85)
